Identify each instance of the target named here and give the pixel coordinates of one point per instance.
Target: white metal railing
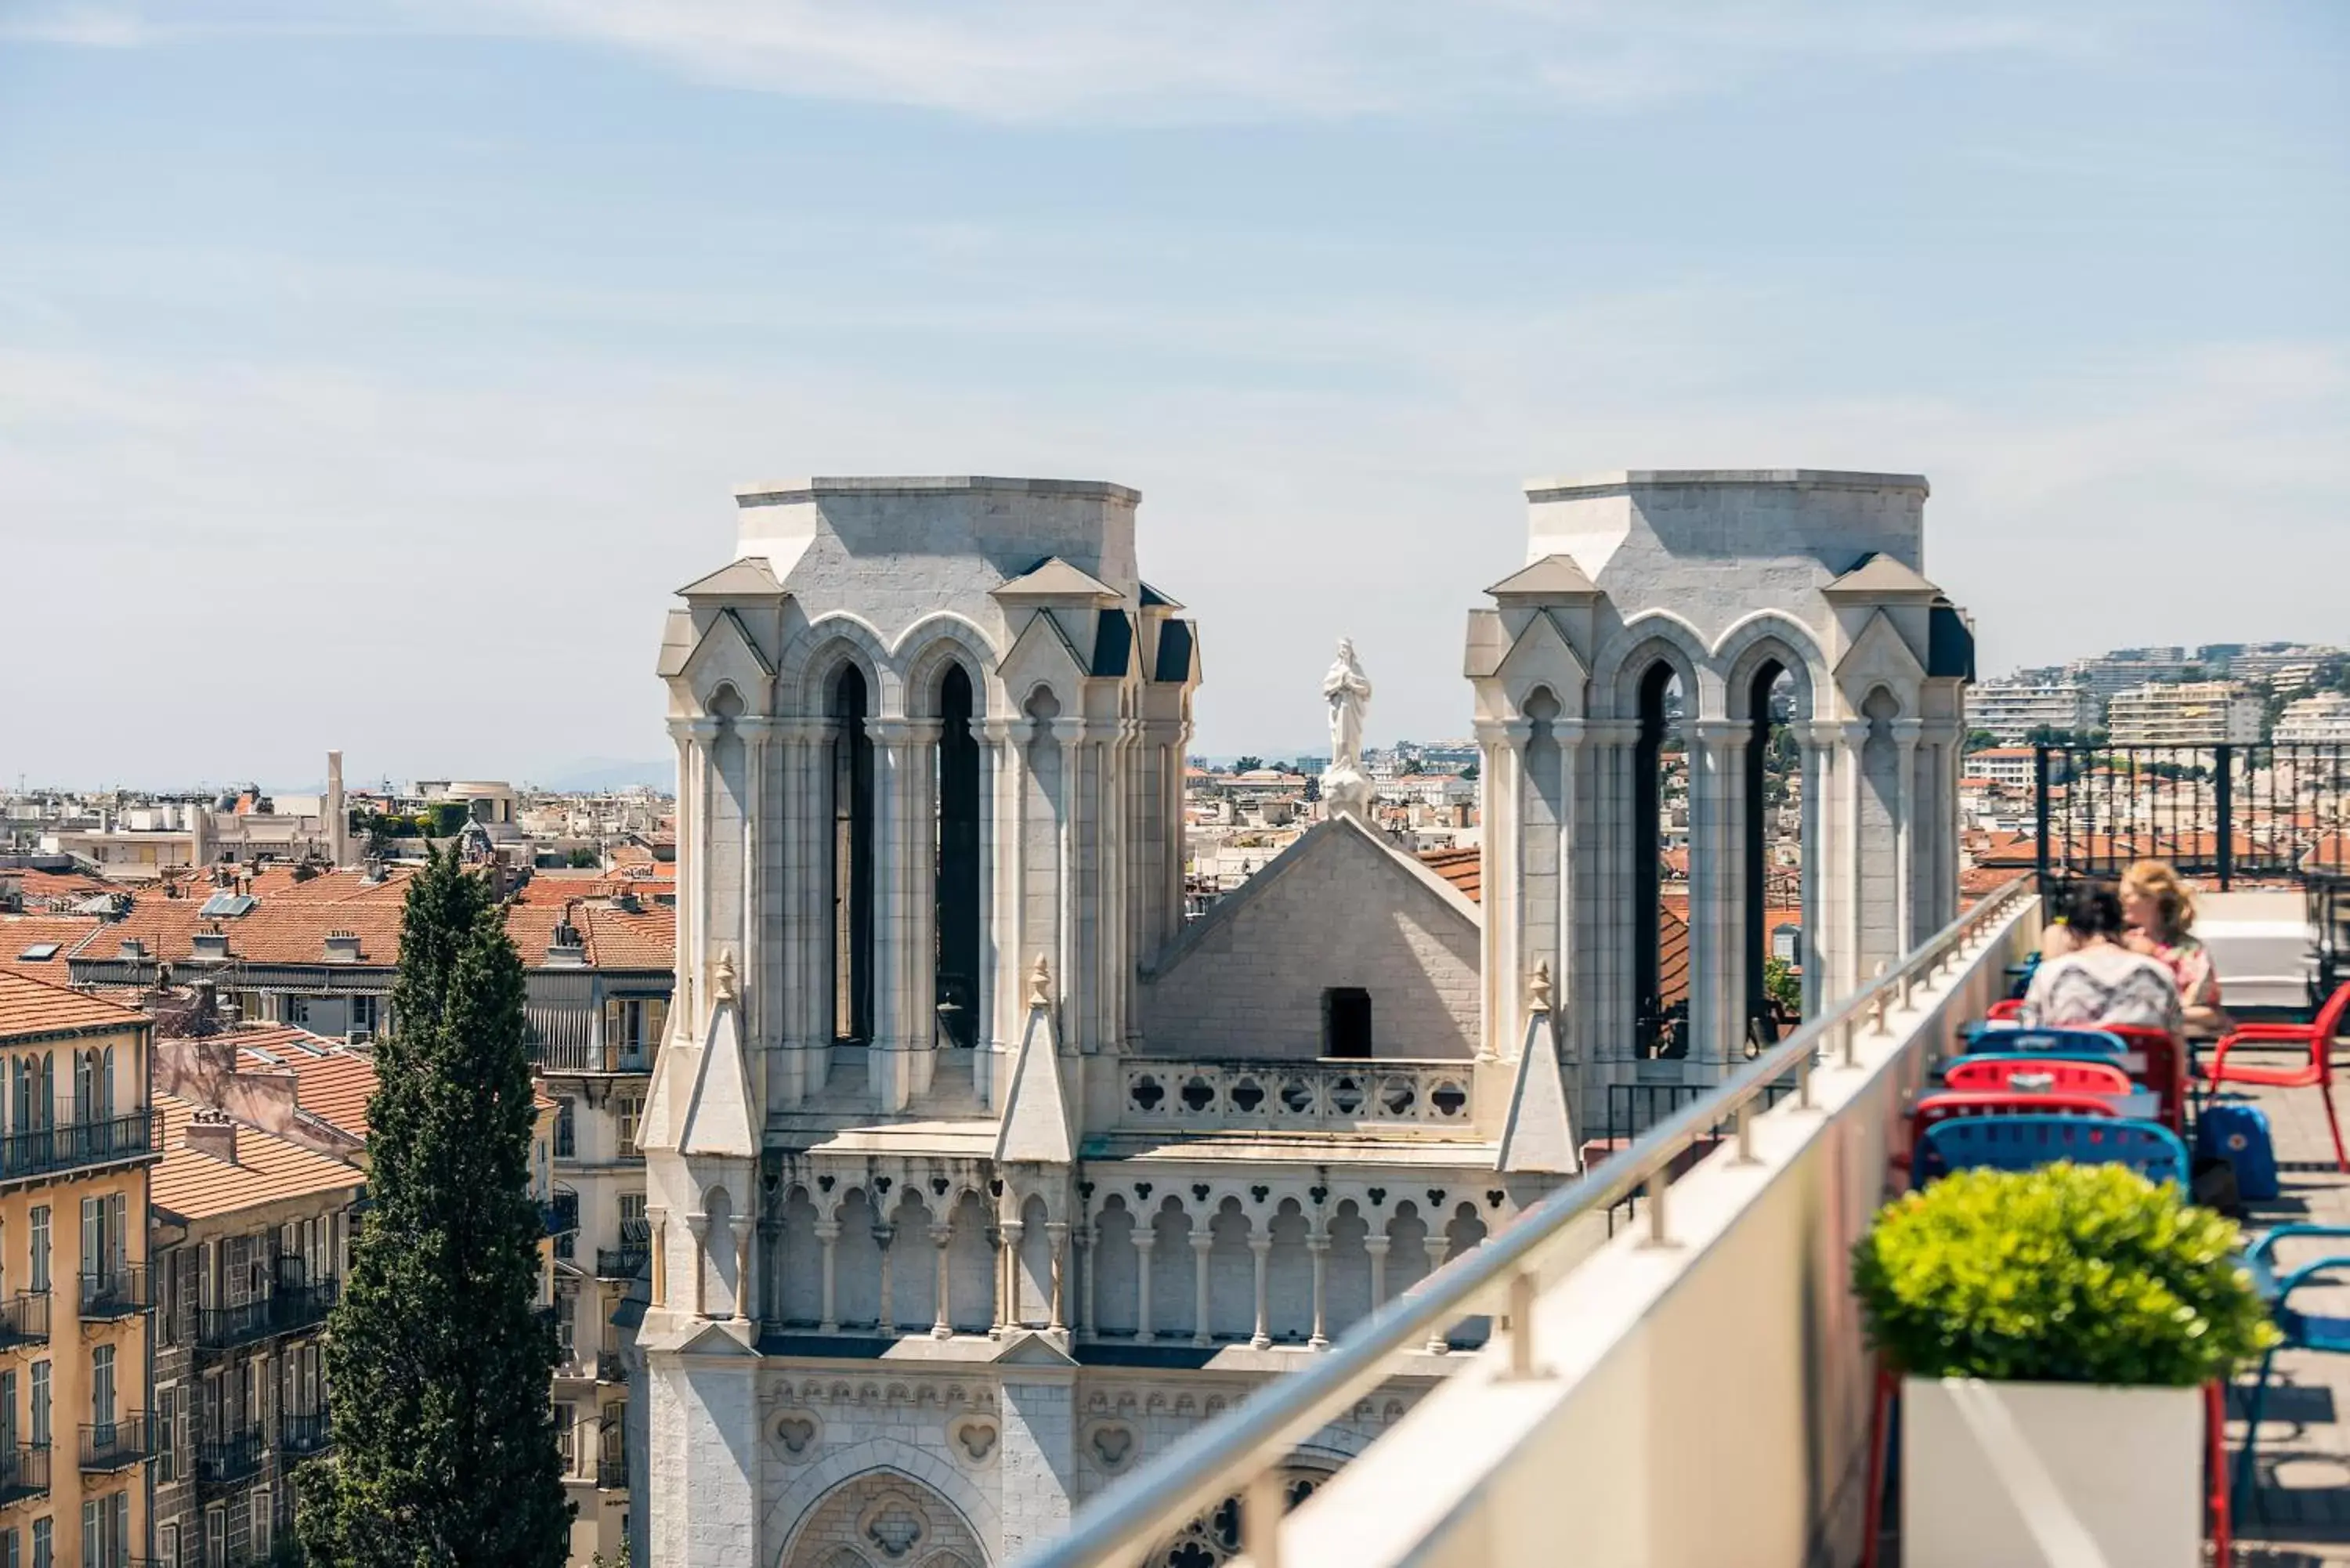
(1241, 1451)
(1196, 1093)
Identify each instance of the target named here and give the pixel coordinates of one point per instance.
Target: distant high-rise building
(2126, 669)
(2015, 710)
(2184, 714)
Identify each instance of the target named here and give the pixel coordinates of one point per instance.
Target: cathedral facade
(977, 1175)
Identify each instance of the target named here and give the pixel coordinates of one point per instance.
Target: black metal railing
(301, 1432)
(562, 1209)
(612, 1473)
(288, 1311)
(24, 1471)
(230, 1459)
(25, 1318)
(627, 1261)
(2224, 813)
(117, 1291)
(119, 1443)
(580, 1056)
(70, 1146)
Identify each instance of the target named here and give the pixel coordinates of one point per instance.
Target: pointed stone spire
(1035, 1126)
(1538, 1139)
(718, 1118)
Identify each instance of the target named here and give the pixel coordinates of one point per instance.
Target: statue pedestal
(1346, 789)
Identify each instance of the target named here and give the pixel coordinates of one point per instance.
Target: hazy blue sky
(371, 371)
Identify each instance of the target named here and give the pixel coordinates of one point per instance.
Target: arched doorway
(883, 1519)
(851, 859)
(956, 884)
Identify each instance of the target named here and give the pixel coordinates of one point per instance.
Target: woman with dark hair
(2100, 981)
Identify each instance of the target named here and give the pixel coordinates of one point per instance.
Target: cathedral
(978, 1174)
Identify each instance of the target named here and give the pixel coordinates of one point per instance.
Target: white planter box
(2015, 1475)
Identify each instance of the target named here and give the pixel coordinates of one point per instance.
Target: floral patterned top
(2190, 963)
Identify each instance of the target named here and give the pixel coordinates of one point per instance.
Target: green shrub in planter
(2068, 1273)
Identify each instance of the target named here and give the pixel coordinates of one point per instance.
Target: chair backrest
(2024, 1142)
(2006, 1011)
(2035, 1041)
(2328, 1023)
(2068, 1075)
(2165, 1068)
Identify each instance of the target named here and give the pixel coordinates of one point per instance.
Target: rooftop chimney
(210, 1132)
(211, 945)
(342, 947)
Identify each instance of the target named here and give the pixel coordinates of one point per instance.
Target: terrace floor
(2299, 1513)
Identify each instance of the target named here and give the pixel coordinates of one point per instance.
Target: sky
(371, 371)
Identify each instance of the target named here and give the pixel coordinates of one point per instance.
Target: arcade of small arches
(1163, 1258)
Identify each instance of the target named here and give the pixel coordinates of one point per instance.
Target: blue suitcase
(2239, 1133)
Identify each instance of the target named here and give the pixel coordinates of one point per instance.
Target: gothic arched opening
(957, 880)
(852, 860)
(1659, 938)
(1771, 761)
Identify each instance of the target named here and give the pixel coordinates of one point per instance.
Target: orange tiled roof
(290, 921)
(30, 1006)
(331, 1082)
(19, 933)
(1464, 868)
(58, 887)
(268, 1169)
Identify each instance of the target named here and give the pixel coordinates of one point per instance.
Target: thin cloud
(1144, 62)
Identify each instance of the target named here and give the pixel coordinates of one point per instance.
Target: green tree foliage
(2067, 1273)
(1783, 986)
(1247, 764)
(437, 1362)
(448, 817)
(583, 857)
(1980, 741)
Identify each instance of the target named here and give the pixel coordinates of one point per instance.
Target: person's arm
(2200, 997)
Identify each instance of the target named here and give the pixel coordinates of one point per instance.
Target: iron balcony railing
(2251, 813)
(117, 1444)
(303, 1432)
(25, 1318)
(581, 1056)
(118, 1291)
(24, 1472)
(70, 1146)
(1241, 1451)
(562, 1211)
(627, 1261)
(612, 1473)
(289, 1311)
(229, 1459)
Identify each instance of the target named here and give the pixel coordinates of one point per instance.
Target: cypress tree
(437, 1364)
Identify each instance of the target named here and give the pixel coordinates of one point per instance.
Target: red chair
(2317, 1072)
(2165, 1071)
(1984, 1074)
(2008, 1012)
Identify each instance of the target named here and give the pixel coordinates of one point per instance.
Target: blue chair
(2302, 1330)
(2025, 1142)
(2019, 975)
(2041, 1042)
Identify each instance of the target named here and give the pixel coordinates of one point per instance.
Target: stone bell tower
(1656, 601)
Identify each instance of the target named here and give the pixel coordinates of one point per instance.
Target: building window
(40, 1403)
(955, 983)
(851, 860)
(102, 1385)
(630, 1110)
(566, 1129)
(105, 1530)
(363, 1015)
(167, 1442)
(167, 1547)
(1346, 1021)
(567, 1434)
(40, 1248)
(11, 1545)
(8, 1411)
(45, 1552)
(262, 1520)
(215, 1536)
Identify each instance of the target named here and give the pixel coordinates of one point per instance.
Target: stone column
(1078, 990)
(1145, 1239)
(1376, 1244)
(1089, 1264)
(1905, 833)
(1259, 1253)
(805, 1007)
(1436, 1243)
(741, 1225)
(1057, 1236)
(883, 1235)
(1717, 927)
(1816, 861)
(828, 1232)
(1007, 1312)
(1201, 1239)
(941, 1236)
(660, 1219)
(699, 1225)
(1317, 1244)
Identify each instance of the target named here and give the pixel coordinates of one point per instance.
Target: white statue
(1348, 692)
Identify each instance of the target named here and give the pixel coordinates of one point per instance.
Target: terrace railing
(1197, 1092)
(24, 1471)
(25, 1318)
(1752, 1297)
(2222, 813)
(73, 1146)
(117, 1444)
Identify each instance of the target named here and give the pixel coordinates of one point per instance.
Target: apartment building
(2184, 714)
(2319, 720)
(75, 1166)
(251, 1236)
(2014, 709)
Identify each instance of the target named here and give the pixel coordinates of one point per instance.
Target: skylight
(39, 952)
(225, 906)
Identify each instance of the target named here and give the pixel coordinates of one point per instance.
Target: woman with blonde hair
(2161, 914)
